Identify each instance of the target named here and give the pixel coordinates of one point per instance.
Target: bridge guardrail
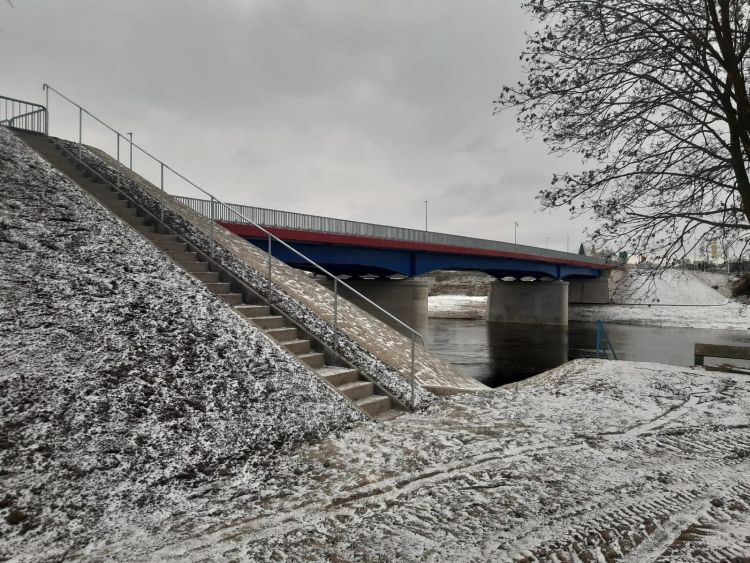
(217, 206)
(304, 222)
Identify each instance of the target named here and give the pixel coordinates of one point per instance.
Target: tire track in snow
(312, 513)
(644, 530)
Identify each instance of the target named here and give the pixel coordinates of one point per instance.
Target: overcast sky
(352, 109)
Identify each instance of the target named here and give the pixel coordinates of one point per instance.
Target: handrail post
(131, 149)
(46, 109)
(269, 270)
(118, 162)
(412, 370)
(212, 227)
(161, 194)
(335, 314)
(80, 130)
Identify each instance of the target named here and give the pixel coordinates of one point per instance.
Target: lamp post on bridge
(515, 233)
(425, 215)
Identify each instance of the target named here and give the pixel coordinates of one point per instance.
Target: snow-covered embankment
(124, 383)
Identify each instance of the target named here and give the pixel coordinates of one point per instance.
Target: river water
(496, 353)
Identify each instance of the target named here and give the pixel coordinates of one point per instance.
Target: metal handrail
(603, 337)
(32, 115)
(271, 237)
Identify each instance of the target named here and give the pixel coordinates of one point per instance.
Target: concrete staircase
(367, 396)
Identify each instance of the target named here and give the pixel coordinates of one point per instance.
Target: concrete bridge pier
(590, 291)
(406, 299)
(537, 302)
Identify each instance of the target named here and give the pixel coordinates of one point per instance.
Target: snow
(674, 299)
(456, 306)
(125, 385)
(671, 287)
(594, 460)
(732, 316)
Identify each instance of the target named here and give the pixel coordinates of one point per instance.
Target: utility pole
(425, 215)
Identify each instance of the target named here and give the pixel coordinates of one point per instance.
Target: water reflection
(497, 353)
(519, 351)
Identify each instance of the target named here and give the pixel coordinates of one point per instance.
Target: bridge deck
(356, 248)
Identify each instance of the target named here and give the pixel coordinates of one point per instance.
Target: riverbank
(730, 316)
(594, 460)
(677, 299)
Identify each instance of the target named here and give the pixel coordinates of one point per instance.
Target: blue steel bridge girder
(356, 261)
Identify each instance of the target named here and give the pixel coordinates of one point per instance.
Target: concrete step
(193, 266)
(171, 246)
(300, 346)
(269, 321)
(232, 298)
(357, 389)
(92, 177)
(133, 220)
(220, 288)
(145, 229)
(207, 277)
(118, 206)
(254, 311)
(374, 404)
(338, 376)
(283, 334)
(183, 256)
(100, 190)
(313, 359)
(163, 238)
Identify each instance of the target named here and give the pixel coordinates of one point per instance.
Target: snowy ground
(672, 287)
(456, 306)
(593, 461)
(124, 384)
(677, 299)
(732, 316)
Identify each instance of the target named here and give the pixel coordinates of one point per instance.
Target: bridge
(382, 261)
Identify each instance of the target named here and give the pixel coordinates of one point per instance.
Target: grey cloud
(344, 108)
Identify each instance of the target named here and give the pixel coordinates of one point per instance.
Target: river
(496, 353)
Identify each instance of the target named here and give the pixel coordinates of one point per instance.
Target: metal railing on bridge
(304, 222)
(23, 115)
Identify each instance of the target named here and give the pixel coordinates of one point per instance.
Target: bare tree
(653, 95)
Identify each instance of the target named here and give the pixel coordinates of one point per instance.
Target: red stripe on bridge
(294, 235)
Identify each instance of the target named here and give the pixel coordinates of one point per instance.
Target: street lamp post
(515, 233)
(425, 215)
